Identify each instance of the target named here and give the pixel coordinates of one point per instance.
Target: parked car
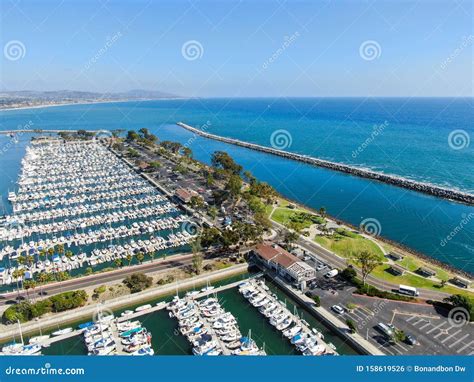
(332, 273)
(320, 266)
(338, 309)
(411, 340)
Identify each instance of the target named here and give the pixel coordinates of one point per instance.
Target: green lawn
(412, 264)
(344, 246)
(286, 216)
(381, 272)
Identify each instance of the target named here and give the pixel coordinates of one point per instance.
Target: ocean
(421, 139)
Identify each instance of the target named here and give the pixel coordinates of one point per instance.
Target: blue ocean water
(412, 142)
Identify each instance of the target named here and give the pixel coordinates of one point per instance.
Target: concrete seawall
(425, 188)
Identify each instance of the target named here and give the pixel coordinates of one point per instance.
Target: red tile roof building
(284, 263)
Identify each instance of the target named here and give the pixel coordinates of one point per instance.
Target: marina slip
(78, 205)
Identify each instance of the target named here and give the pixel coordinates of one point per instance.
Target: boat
(86, 325)
(143, 307)
(38, 339)
(126, 313)
(146, 350)
(62, 332)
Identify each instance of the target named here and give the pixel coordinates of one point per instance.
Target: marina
(167, 338)
(78, 205)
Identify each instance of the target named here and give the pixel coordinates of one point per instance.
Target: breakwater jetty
(425, 188)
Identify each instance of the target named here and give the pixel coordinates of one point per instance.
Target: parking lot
(434, 333)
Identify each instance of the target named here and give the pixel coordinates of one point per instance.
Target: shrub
(317, 300)
(349, 274)
(352, 326)
(68, 300)
(137, 282)
(26, 311)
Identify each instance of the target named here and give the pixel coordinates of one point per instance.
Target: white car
(332, 273)
(320, 266)
(338, 309)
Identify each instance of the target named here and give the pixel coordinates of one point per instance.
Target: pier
(159, 306)
(425, 188)
(306, 329)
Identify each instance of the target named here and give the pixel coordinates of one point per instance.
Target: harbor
(77, 205)
(166, 336)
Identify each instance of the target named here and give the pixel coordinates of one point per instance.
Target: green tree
(234, 185)
(140, 257)
(317, 300)
(290, 238)
(118, 263)
(222, 160)
(367, 262)
(137, 282)
(352, 326)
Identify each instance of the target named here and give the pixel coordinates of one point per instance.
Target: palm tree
(42, 277)
(118, 263)
(152, 255)
(29, 259)
(129, 259)
(140, 257)
(29, 284)
(51, 251)
(60, 249)
(322, 212)
(69, 254)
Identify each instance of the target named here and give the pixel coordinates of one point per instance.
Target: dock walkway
(157, 307)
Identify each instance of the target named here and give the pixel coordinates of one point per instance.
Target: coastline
(88, 103)
(397, 181)
(395, 244)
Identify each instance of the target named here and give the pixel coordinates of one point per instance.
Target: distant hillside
(81, 95)
(33, 98)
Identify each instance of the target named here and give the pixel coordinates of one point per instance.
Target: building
(397, 270)
(426, 272)
(284, 263)
(183, 195)
(459, 281)
(395, 256)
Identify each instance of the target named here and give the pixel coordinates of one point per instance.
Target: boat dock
(157, 307)
(306, 329)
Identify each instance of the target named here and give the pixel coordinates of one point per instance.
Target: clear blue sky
(249, 48)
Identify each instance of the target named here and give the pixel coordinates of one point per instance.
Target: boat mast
(21, 333)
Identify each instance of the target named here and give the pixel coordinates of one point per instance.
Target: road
(99, 278)
(337, 262)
